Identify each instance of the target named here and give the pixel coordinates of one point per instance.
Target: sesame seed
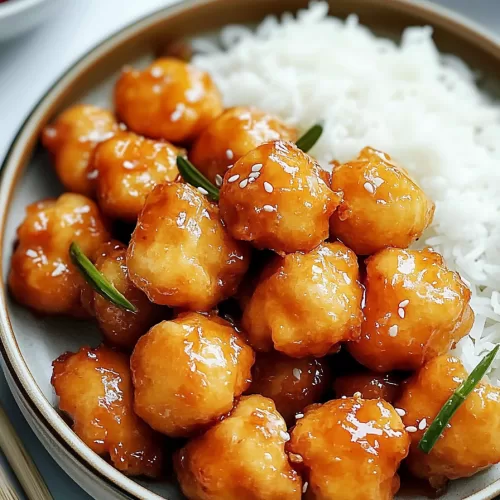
(393, 331)
(285, 436)
(254, 174)
(411, 428)
(400, 412)
(401, 312)
(304, 488)
(230, 166)
(218, 180)
(233, 178)
(423, 424)
(156, 72)
(369, 187)
(202, 190)
(243, 183)
(295, 458)
(268, 208)
(296, 373)
(357, 394)
(268, 187)
(298, 416)
(257, 167)
(404, 303)
(229, 154)
(251, 179)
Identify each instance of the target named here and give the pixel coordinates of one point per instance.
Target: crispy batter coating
(71, 140)
(351, 449)
(291, 383)
(277, 197)
(120, 328)
(232, 135)
(370, 385)
(242, 457)
(95, 390)
(180, 253)
(470, 441)
(305, 304)
(126, 168)
(415, 309)
(42, 276)
(188, 371)
(169, 100)
(382, 206)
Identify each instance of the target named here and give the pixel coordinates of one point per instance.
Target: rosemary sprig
(438, 425)
(194, 177)
(97, 280)
(310, 138)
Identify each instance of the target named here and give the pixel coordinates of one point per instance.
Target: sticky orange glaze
(470, 442)
(42, 276)
(71, 140)
(291, 383)
(188, 371)
(119, 327)
(277, 197)
(242, 457)
(350, 449)
(382, 206)
(415, 309)
(305, 304)
(370, 385)
(125, 170)
(95, 390)
(169, 100)
(180, 253)
(232, 135)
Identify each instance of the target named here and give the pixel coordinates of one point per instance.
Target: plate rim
(13, 165)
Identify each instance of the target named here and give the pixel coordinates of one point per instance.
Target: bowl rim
(17, 6)
(12, 168)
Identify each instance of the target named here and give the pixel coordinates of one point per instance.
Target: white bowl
(30, 343)
(19, 16)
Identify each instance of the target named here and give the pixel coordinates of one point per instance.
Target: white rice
(407, 99)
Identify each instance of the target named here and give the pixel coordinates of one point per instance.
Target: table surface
(30, 64)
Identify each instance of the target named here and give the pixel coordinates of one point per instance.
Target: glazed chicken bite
(350, 449)
(119, 327)
(382, 206)
(415, 309)
(42, 276)
(277, 197)
(180, 253)
(169, 100)
(243, 456)
(126, 168)
(305, 304)
(95, 390)
(469, 443)
(232, 135)
(188, 371)
(71, 140)
(370, 385)
(291, 383)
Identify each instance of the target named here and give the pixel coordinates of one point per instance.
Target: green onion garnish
(437, 427)
(194, 177)
(97, 280)
(310, 138)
